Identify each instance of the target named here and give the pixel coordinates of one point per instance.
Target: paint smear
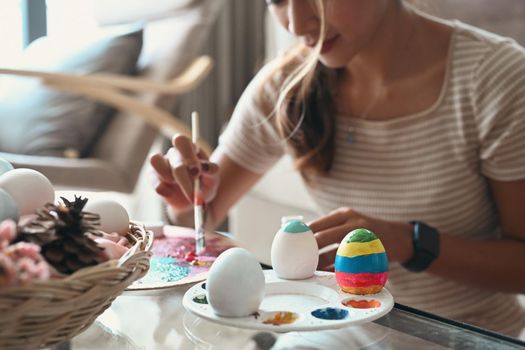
(281, 317)
(330, 313)
(362, 304)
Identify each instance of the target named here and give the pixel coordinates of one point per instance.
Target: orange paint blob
(282, 317)
(362, 304)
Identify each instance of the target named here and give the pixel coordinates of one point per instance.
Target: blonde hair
(304, 109)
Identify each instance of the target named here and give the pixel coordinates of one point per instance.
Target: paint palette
(173, 262)
(313, 304)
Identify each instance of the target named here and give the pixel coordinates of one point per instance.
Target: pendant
(350, 136)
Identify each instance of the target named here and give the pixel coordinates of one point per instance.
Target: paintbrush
(198, 198)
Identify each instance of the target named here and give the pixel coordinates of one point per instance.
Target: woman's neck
(401, 71)
(388, 48)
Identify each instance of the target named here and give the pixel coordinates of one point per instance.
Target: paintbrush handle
(198, 200)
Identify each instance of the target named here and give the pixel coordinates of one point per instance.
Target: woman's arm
(235, 181)
(498, 263)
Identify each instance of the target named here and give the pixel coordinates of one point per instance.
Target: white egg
(294, 252)
(8, 208)
(29, 189)
(235, 285)
(113, 216)
(5, 166)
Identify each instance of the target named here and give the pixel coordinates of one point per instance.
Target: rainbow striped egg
(361, 263)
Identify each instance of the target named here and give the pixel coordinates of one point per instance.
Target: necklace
(351, 131)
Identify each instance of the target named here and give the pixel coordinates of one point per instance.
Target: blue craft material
(165, 269)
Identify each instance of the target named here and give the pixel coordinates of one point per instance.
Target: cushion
(40, 120)
(109, 12)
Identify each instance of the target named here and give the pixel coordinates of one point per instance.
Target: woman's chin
(332, 62)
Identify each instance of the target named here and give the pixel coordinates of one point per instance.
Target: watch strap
(425, 241)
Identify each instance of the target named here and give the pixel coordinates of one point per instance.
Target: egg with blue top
(294, 252)
(8, 209)
(361, 263)
(5, 166)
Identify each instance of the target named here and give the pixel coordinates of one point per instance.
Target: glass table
(160, 322)
(156, 319)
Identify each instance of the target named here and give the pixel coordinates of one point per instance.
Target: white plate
(307, 300)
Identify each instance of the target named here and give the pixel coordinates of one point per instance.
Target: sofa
(83, 144)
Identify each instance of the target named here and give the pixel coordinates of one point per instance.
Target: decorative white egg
(235, 285)
(113, 216)
(294, 252)
(29, 189)
(8, 208)
(5, 166)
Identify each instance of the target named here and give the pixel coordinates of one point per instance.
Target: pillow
(39, 120)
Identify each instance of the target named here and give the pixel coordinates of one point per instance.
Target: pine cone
(62, 232)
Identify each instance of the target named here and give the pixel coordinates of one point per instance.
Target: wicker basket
(51, 312)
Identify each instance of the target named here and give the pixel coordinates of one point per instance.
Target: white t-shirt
(431, 166)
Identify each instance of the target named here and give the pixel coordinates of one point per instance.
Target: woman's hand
(174, 174)
(332, 228)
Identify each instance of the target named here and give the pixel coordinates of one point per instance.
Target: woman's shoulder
(485, 43)
(478, 35)
(485, 52)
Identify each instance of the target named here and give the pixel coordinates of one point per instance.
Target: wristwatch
(425, 240)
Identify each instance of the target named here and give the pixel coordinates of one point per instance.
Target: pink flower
(24, 249)
(7, 271)
(111, 250)
(7, 232)
(20, 263)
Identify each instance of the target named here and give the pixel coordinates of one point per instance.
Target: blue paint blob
(330, 313)
(203, 286)
(295, 226)
(165, 269)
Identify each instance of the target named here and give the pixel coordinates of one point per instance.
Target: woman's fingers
(332, 235)
(335, 218)
(184, 180)
(209, 168)
(162, 168)
(326, 260)
(188, 155)
(202, 155)
(164, 189)
(176, 172)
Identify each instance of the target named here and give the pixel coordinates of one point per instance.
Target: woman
(401, 123)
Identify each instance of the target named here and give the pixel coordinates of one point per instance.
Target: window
(11, 31)
(70, 18)
(22, 21)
